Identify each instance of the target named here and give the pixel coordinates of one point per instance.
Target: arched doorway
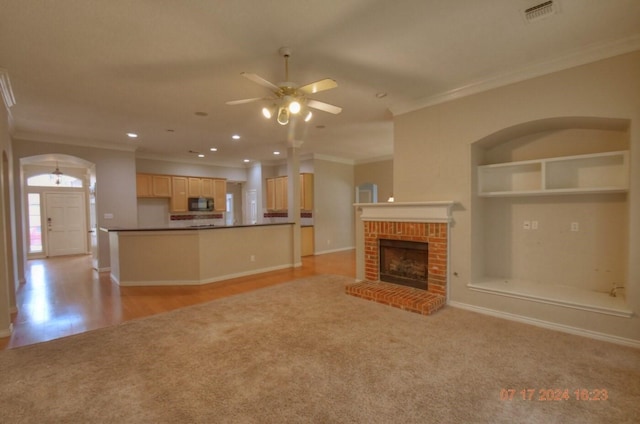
(58, 198)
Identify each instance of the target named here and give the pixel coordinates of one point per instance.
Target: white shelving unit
(606, 172)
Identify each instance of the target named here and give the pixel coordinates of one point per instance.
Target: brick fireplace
(426, 223)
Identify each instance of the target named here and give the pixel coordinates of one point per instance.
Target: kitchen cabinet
(219, 195)
(202, 187)
(282, 193)
(307, 241)
(207, 187)
(179, 194)
(306, 192)
(149, 185)
(194, 187)
(278, 193)
(271, 194)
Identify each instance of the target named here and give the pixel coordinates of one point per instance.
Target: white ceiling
(89, 71)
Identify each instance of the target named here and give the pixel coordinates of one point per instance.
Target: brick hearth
(421, 301)
(403, 297)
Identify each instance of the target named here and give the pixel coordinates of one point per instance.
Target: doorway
(229, 217)
(66, 224)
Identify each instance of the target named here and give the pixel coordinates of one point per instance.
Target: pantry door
(65, 220)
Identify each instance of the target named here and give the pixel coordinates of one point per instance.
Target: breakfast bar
(197, 255)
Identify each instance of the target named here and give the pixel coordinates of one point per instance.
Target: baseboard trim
(548, 325)
(6, 332)
(342, 249)
(198, 282)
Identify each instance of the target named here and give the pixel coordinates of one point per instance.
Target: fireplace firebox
(404, 262)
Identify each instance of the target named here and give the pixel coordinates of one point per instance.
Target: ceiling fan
(287, 98)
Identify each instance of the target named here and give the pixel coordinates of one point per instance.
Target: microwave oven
(200, 204)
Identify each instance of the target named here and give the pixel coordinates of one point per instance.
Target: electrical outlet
(526, 225)
(575, 226)
(534, 225)
(252, 258)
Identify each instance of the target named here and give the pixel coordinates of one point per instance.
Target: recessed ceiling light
(132, 135)
(213, 149)
(276, 153)
(200, 155)
(320, 126)
(201, 114)
(247, 160)
(235, 137)
(381, 95)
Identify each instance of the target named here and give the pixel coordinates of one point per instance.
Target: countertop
(192, 227)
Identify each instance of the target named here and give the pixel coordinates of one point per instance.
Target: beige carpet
(305, 352)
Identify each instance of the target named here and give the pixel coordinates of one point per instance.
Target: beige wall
(115, 187)
(433, 161)
(7, 235)
(379, 173)
(333, 214)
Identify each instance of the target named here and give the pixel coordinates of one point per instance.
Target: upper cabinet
(278, 193)
(178, 189)
(306, 192)
(606, 172)
(219, 195)
(179, 199)
(149, 185)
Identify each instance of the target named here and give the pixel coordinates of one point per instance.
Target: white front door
(65, 220)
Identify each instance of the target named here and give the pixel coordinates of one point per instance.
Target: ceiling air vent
(541, 10)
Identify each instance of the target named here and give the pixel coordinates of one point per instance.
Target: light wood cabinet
(194, 187)
(219, 195)
(278, 193)
(307, 241)
(271, 194)
(179, 197)
(149, 185)
(206, 187)
(282, 193)
(306, 192)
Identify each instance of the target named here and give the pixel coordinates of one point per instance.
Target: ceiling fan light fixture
(267, 112)
(308, 116)
(283, 115)
(294, 107)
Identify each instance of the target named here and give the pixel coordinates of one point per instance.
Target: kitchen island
(199, 254)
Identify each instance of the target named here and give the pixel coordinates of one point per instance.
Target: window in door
(50, 180)
(35, 223)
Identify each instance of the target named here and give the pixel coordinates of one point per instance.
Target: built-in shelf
(566, 296)
(606, 172)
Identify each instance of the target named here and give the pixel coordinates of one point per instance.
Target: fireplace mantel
(407, 211)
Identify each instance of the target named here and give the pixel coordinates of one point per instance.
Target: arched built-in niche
(550, 213)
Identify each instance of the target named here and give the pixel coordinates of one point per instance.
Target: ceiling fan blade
(317, 86)
(259, 80)
(325, 107)
(243, 101)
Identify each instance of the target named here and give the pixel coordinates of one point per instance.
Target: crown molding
(164, 158)
(333, 159)
(589, 54)
(374, 160)
(71, 141)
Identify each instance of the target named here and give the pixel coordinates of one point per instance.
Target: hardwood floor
(65, 296)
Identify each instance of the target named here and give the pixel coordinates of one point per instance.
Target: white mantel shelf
(407, 211)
